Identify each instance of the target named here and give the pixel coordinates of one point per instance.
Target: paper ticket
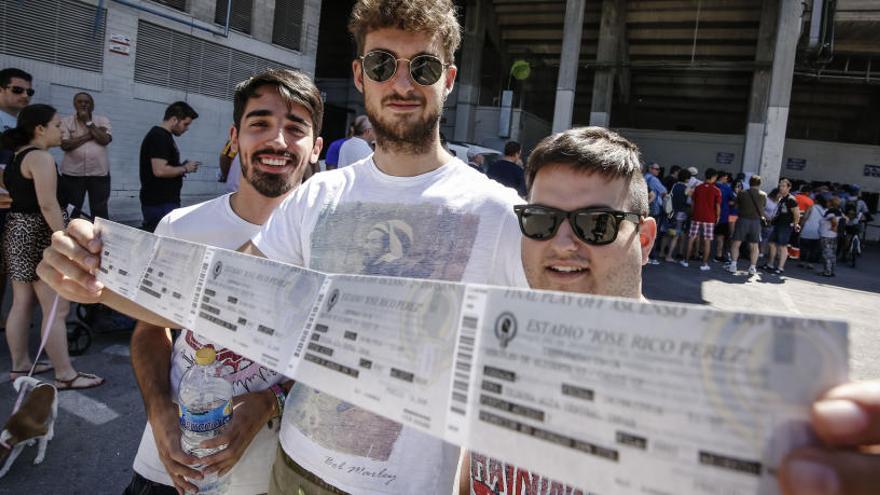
(387, 345)
(255, 306)
(615, 396)
(125, 256)
(588, 394)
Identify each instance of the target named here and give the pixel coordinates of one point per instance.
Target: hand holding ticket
(605, 395)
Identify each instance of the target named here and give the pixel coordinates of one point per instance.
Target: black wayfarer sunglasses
(19, 90)
(381, 66)
(595, 226)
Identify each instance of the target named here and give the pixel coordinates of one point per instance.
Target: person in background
(359, 146)
(508, 170)
(769, 212)
(722, 228)
(161, 170)
(85, 167)
(331, 159)
(828, 232)
(811, 249)
(672, 177)
(750, 205)
(707, 208)
(678, 222)
(36, 212)
(785, 222)
(476, 160)
(656, 192)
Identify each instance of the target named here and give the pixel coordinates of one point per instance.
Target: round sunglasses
(594, 226)
(380, 66)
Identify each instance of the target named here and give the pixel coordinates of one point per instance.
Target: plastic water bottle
(204, 406)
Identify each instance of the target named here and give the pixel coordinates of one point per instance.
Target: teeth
(567, 269)
(275, 162)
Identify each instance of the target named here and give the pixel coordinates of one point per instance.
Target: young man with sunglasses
(440, 220)
(586, 229)
(15, 94)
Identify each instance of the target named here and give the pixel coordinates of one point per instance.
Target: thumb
(825, 472)
(849, 415)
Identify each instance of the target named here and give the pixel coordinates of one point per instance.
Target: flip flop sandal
(70, 384)
(42, 367)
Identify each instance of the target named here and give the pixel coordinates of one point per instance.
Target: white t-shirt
(353, 151)
(810, 229)
(452, 223)
(213, 222)
(826, 226)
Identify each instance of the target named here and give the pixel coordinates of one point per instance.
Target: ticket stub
(125, 256)
(617, 396)
(171, 281)
(386, 345)
(255, 306)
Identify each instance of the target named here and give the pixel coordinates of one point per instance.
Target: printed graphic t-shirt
(453, 224)
(214, 223)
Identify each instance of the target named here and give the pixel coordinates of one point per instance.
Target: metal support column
(569, 63)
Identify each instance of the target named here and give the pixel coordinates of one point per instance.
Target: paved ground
(98, 430)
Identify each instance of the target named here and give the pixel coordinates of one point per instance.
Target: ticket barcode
(464, 358)
(313, 315)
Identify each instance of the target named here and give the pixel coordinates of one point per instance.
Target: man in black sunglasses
(586, 230)
(15, 94)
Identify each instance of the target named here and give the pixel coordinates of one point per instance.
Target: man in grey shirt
(750, 206)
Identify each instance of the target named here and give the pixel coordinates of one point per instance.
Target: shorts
(747, 230)
(722, 229)
(707, 228)
(780, 235)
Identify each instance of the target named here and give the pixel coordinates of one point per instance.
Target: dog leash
(47, 328)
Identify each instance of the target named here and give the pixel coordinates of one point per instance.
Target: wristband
(280, 397)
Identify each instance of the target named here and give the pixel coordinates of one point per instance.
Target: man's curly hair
(435, 17)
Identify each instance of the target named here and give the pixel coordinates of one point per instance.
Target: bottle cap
(205, 356)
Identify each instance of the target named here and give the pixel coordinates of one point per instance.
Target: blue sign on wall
(796, 164)
(724, 158)
(872, 170)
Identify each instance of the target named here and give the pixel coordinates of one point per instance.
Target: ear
(316, 150)
(233, 137)
(358, 75)
(449, 82)
(647, 236)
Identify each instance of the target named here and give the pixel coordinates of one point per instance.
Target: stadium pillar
(771, 89)
(469, 71)
(611, 33)
(569, 62)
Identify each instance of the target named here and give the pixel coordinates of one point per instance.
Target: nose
(403, 82)
(279, 141)
(565, 240)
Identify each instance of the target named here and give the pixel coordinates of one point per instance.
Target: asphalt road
(98, 430)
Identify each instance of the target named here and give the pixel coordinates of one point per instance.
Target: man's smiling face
(275, 142)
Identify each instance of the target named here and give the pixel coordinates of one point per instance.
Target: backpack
(667, 205)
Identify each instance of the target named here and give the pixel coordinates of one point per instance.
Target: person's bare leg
(56, 346)
(783, 255)
(673, 243)
(734, 252)
(707, 250)
(18, 323)
(719, 246)
(692, 241)
(754, 249)
(771, 258)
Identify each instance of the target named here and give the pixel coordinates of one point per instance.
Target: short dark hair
(673, 169)
(6, 76)
(511, 148)
(754, 181)
(294, 87)
(684, 175)
(593, 150)
(711, 172)
(181, 110)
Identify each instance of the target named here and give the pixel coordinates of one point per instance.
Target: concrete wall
(525, 128)
(824, 161)
(134, 108)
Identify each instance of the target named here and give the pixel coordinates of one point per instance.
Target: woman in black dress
(36, 212)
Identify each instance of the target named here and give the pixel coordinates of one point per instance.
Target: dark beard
(269, 185)
(402, 137)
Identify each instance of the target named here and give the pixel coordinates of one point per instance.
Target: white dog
(34, 422)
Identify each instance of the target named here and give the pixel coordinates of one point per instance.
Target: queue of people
(591, 222)
(724, 212)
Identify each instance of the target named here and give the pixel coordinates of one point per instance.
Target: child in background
(828, 236)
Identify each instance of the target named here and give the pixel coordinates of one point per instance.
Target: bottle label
(205, 420)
